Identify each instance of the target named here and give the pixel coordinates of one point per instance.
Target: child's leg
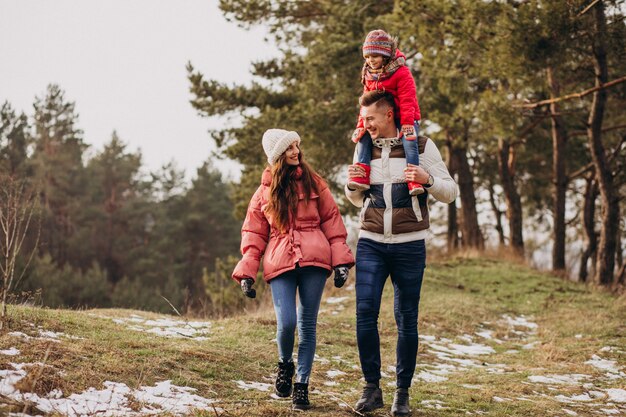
(364, 149)
(411, 152)
(364, 157)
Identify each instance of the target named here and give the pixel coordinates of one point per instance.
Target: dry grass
(460, 296)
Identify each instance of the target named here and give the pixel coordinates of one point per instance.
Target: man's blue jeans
(405, 263)
(309, 283)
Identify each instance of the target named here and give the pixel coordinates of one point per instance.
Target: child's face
(374, 61)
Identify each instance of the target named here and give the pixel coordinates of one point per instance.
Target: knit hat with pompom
(378, 42)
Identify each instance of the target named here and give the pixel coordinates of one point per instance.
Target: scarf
(384, 73)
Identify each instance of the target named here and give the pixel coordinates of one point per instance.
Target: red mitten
(409, 132)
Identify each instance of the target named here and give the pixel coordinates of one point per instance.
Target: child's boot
(361, 183)
(415, 188)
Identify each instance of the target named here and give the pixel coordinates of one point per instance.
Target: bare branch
(571, 96)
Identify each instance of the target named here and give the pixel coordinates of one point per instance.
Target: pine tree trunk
(605, 263)
(506, 167)
(472, 236)
(591, 238)
(497, 213)
(453, 225)
(559, 178)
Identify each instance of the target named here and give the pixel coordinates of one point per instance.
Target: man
(391, 243)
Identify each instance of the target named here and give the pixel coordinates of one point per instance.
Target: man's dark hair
(379, 98)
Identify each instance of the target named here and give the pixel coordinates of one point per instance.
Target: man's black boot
(284, 378)
(400, 407)
(371, 399)
(300, 399)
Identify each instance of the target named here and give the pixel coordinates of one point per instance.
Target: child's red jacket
(402, 86)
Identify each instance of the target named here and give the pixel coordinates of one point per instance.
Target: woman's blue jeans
(309, 283)
(405, 263)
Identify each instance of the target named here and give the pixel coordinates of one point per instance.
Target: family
(294, 227)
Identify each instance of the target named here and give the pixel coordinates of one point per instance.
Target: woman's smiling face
(292, 154)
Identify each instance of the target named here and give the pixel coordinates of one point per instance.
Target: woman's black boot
(300, 397)
(284, 378)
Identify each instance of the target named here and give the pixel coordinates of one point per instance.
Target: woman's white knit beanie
(276, 141)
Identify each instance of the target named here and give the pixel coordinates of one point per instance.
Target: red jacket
(402, 86)
(317, 236)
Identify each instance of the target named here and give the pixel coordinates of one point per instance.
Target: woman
(294, 224)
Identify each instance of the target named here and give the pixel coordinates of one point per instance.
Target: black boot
(400, 407)
(371, 399)
(300, 397)
(283, 379)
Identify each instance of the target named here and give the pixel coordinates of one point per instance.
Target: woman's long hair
(283, 197)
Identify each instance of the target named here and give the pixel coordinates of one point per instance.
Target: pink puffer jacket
(316, 238)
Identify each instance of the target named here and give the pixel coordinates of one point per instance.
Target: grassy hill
(496, 339)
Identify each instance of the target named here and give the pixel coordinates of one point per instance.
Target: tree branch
(571, 96)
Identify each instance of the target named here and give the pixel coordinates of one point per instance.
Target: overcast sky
(123, 63)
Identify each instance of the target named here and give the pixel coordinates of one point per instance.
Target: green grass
(459, 296)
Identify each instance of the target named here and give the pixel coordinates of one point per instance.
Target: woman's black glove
(246, 287)
(341, 275)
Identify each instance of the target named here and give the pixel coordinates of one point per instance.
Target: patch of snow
(520, 321)
(500, 399)
(429, 377)
(471, 386)
(610, 411)
(113, 400)
(333, 373)
(617, 395)
(260, 386)
(336, 300)
(569, 412)
(167, 327)
(578, 336)
(10, 352)
(331, 383)
(427, 338)
(572, 379)
(574, 398)
(436, 404)
(461, 350)
(604, 365)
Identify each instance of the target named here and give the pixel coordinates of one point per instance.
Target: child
(385, 69)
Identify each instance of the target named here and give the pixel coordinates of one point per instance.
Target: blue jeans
(364, 148)
(309, 281)
(375, 261)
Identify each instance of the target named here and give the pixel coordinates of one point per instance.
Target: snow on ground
(570, 379)
(115, 399)
(336, 300)
(166, 326)
(10, 352)
(259, 386)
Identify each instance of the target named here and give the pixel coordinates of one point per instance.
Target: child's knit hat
(276, 141)
(378, 42)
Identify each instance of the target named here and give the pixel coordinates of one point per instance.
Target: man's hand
(246, 287)
(355, 171)
(416, 173)
(341, 275)
(409, 132)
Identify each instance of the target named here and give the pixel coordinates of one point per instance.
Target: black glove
(246, 287)
(341, 275)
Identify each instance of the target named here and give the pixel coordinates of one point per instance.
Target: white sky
(123, 63)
